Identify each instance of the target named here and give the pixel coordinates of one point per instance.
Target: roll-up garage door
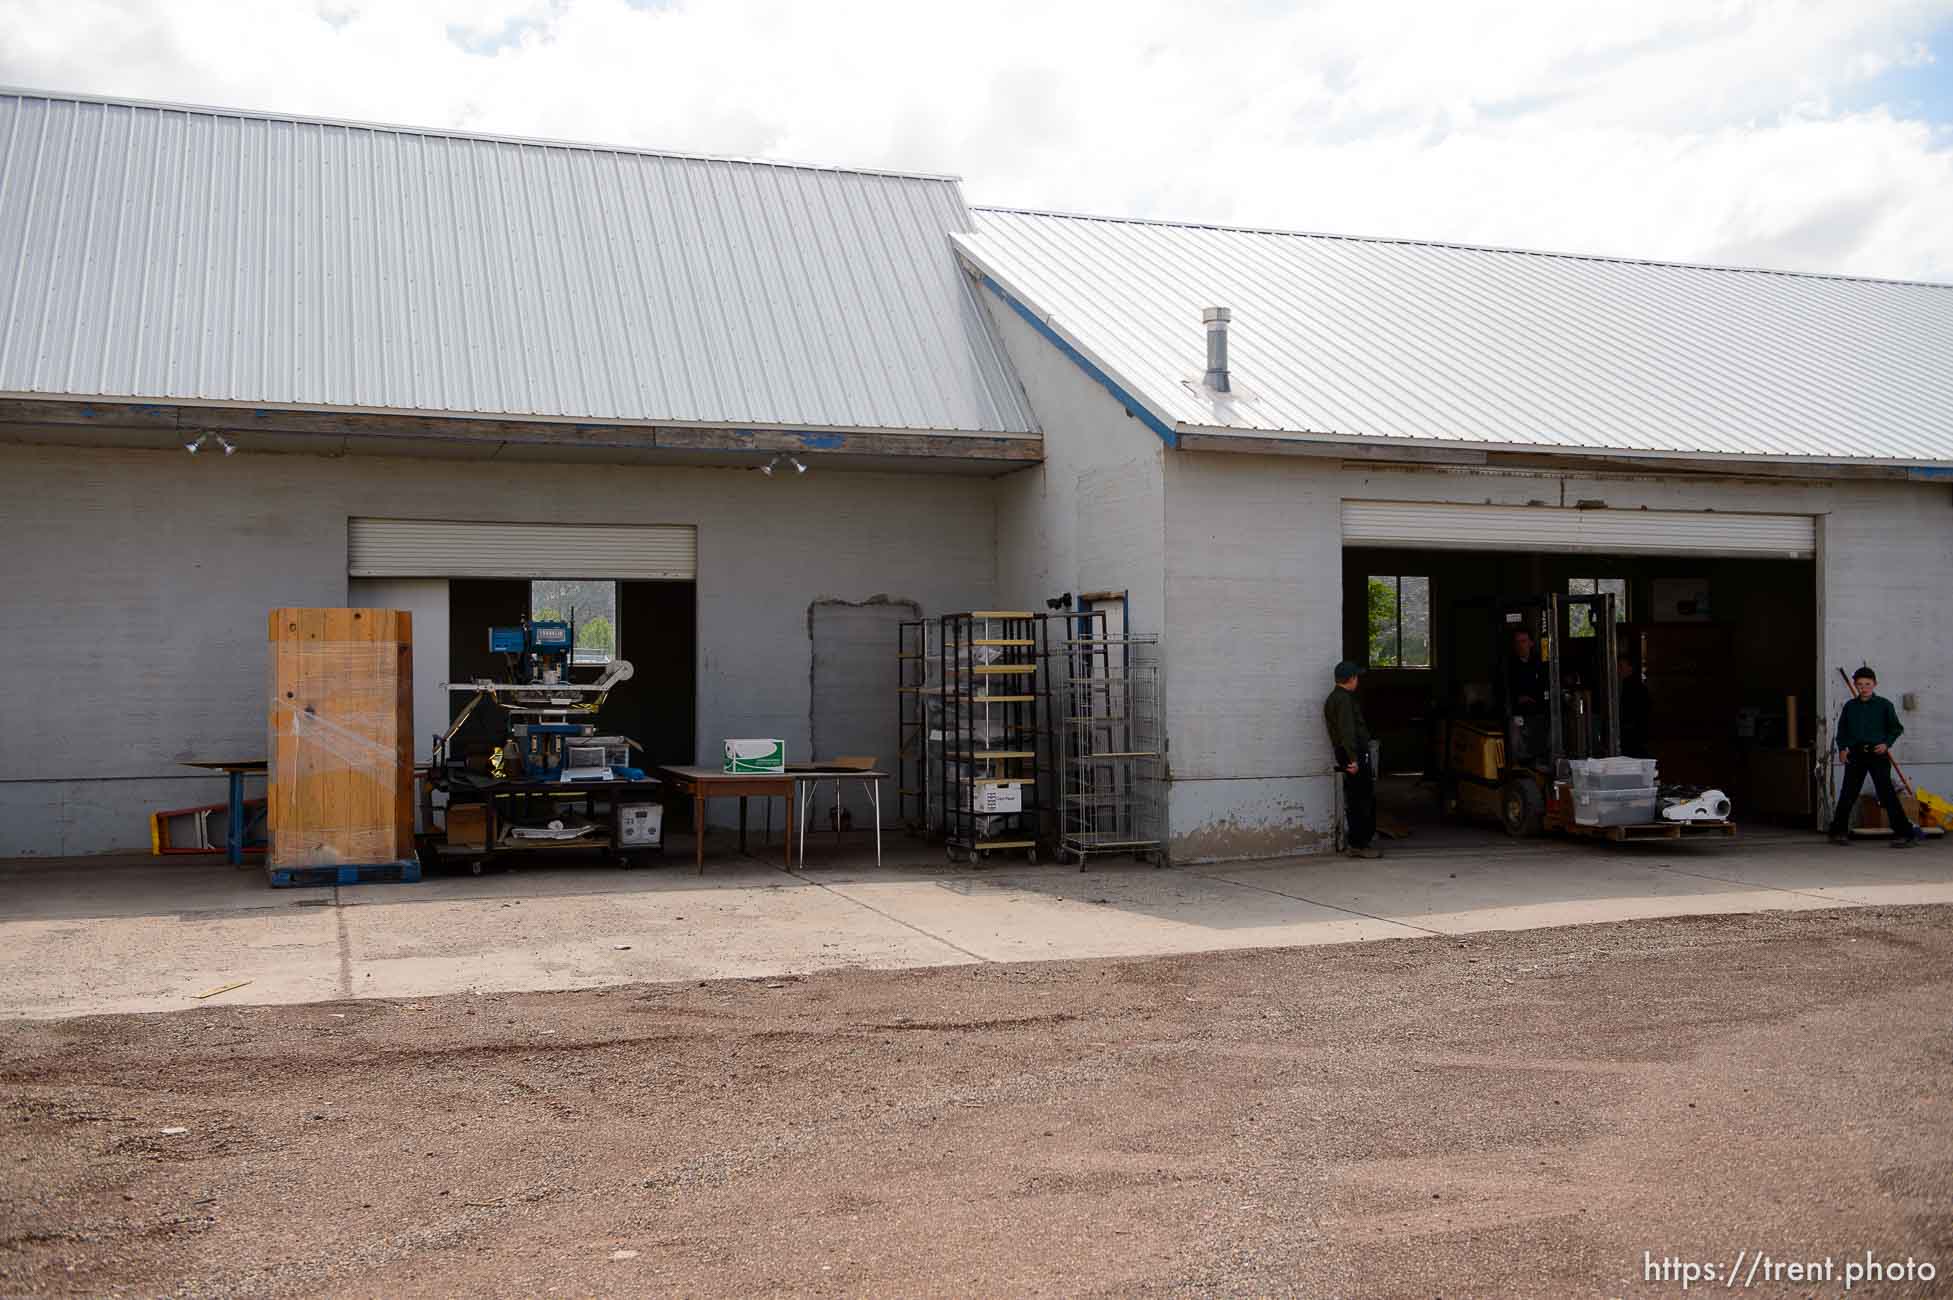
(432, 548)
(1448, 527)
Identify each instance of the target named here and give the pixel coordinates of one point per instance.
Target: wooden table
(704, 783)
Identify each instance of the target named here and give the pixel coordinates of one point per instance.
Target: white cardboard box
(999, 798)
(768, 757)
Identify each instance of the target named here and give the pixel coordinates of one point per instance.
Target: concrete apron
(85, 936)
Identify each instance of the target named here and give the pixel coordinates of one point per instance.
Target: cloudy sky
(1815, 136)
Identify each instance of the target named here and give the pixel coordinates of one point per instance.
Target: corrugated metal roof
(1334, 337)
(169, 254)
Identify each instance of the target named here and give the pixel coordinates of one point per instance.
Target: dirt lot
(1519, 1114)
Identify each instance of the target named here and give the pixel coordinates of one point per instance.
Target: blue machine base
(405, 872)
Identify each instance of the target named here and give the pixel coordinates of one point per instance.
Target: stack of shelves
(992, 710)
(1064, 652)
(1112, 742)
(918, 709)
(1031, 732)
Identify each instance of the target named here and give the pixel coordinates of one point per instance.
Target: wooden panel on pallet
(340, 789)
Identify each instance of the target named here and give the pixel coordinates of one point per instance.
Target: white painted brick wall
(138, 584)
(1254, 601)
(1091, 516)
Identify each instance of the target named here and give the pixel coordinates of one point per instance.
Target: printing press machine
(553, 785)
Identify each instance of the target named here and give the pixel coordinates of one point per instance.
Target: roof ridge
(1450, 244)
(448, 133)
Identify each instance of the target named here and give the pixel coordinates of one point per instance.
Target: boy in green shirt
(1349, 736)
(1868, 726)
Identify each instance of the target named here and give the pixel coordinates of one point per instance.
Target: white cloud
(1703, 130)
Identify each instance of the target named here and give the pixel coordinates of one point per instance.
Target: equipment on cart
(540, 650)
(543, 743)
(1505, 766)
(1555, 764)
(553, 782)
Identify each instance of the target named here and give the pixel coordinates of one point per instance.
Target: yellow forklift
(1499, 757)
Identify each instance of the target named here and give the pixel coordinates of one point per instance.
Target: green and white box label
(763, 756)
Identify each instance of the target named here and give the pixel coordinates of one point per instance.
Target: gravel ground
(1510, 1114)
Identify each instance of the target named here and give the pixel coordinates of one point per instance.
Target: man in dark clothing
(1349, 736)
(1520, 689)
(1868, 726)
(1525, 677)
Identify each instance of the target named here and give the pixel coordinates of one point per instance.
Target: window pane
(1414, 645)
(1580, 618)
(1383, 622)
(1580, 621)
(590, 605)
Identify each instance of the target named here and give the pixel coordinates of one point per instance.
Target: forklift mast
(1549, 621)
(1600, 612)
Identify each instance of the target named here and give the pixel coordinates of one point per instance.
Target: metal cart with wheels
(498, 823)
(989, 794)
(1111, 746)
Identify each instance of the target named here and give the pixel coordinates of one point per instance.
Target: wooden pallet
(1656, 831)
(1642, 831)
(404, 872)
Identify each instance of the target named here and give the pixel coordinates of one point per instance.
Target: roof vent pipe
(1216, 319)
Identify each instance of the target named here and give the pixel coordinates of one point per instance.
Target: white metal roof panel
(1389, 339)
(162, 253)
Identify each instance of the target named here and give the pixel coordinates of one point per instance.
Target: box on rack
(468, 826)
(999, 798)
(640, 825)
(756, 757)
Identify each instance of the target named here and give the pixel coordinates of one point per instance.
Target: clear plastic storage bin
(1606, 774)
(1629, 807)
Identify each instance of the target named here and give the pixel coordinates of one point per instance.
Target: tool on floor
(1709, 806)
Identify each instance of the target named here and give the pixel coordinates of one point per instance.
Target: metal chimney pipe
(1216, 319)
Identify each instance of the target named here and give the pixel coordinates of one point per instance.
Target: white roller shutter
(1448, 527)
(434, 548)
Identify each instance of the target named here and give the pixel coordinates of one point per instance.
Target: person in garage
(1868, 727)
(1525, 676)
(1521, 688)
(1349, 736)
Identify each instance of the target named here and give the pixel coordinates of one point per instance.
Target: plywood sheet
(341, 737)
